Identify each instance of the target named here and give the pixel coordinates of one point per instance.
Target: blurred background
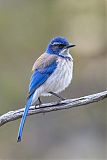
(26, 26)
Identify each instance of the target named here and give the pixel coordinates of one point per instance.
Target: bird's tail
(28, 104)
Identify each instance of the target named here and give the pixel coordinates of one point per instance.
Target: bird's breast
(61, 77)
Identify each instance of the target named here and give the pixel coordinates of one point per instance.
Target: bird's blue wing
(40, 76)
(41, 73)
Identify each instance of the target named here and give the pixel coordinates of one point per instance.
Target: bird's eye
(58, 46)
(61, 46)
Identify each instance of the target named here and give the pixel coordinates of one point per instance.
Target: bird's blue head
(57, 45)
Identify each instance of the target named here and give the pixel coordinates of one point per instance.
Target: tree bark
(54, 106)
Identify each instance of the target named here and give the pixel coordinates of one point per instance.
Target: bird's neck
(64, 54)
(67, 57)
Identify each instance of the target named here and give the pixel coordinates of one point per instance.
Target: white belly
(61, 77)
(58, 81)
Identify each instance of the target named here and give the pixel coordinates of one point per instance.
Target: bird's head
(59, 46)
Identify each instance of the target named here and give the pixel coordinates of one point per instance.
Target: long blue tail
(28, 104)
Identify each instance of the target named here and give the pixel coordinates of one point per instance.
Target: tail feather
(28, 104)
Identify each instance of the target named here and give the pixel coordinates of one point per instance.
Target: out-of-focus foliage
(26, 26)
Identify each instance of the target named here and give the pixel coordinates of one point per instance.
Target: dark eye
(58, 46)
(61, 46)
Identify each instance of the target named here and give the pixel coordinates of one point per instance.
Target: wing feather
(43, 68)
(43, 61)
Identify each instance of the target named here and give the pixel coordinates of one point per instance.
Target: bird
(52, 73)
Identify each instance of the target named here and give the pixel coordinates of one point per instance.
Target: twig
(54, 106)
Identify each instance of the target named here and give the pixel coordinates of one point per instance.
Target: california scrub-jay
(52, 73)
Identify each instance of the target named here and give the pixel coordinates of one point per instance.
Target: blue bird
(52, 73)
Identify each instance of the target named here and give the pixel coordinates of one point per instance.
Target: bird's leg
(40, 102)
(56, 95)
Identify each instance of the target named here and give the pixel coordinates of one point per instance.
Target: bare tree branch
(54, 106)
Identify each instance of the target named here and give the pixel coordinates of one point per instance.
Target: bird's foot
(38, 105)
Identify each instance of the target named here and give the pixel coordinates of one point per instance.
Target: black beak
(70, 45)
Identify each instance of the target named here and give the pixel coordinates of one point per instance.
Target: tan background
(26, 26)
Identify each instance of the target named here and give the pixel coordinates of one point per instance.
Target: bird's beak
(70, 45)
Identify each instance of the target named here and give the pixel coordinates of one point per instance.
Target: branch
(54, 106)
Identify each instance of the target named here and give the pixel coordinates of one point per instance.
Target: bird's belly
(60, 79)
